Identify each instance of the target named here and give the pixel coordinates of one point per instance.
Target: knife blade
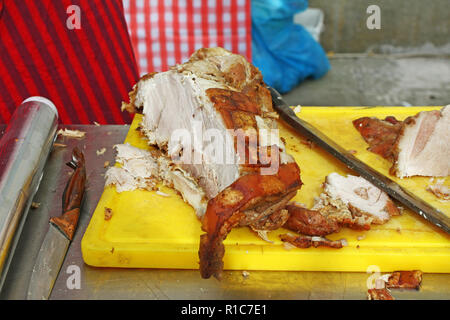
(381, 181)
(60, 233)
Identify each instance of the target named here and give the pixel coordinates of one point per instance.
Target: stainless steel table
(113, 283)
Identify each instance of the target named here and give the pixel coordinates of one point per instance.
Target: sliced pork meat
(138, 170)
(423, 145)
(217, 99)
(346, 202)
(141, 169)
(417, 146)
(362, 198)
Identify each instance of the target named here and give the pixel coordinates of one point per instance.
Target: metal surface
(24, 149)
(114, 283)
(48, 263)
(57, 240)
(405, 197)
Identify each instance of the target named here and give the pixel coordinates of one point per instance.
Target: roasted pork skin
(227, 209)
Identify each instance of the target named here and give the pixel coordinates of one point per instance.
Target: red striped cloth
(166, 32)
(86, 72)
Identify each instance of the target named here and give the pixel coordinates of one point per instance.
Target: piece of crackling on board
(405, 279)
(379, 294)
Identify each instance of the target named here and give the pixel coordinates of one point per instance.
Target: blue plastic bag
(285, 52)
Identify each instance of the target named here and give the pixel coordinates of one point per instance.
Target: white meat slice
(440, 190)
(141, 169)
(138, 170)
(174, 176)
(423, 147)
(175, 107)
(360, 194)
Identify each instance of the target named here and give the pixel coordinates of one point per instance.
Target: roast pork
(212, 121)
(417, 146)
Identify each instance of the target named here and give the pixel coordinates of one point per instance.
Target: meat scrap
(100, 151)
(308, 142)
(379, 294)
(440, 191)
(71, 133)
(379, 134)
(417, 146)
(398, 279)
(108, 213)
(139, 170)
(301, 241)
(405, 279)
(35, 205)
(61, 145)
(346, 202)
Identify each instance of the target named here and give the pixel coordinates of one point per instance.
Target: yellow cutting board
(148, 230)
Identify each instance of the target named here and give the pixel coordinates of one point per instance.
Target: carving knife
(60, 233)
(405, 197)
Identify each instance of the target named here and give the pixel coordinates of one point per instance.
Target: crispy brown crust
(391, 208)
(230, 69)
(259, 94)
(271, 221)
(405, 279)
(301, 241)
(204, 53)
(238, 112)
(226, 211)
(309, 222)
(381, 135)
(262, 207)
(224, 99)
(236, 75)
(379, 294)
